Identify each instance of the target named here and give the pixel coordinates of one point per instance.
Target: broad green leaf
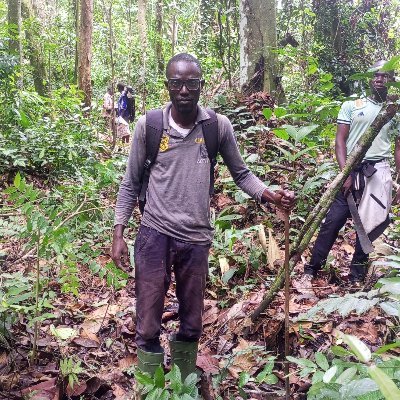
(174, 376)
(321, 360)
(391, 308)
(17, 180)
(143, 378)
(329, 374)
(317, 377)
(392, 64)
(154, 394)
(356, 388)
(359, 348)
(159, 378)
(387, 347)
(279, 112)
(281, 133)
(271, 379)
(386, 385)
(266, 371)
(228, 275)
(346, 376)
(189, 386)
(267, 112)
(63, 333)
(303, 362)
(243, 378)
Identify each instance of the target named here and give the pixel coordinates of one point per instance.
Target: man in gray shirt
(175, 229)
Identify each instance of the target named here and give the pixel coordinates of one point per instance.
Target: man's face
(184, 84)
(378, 84)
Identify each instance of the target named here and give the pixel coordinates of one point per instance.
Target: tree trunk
(85, 50)
(257, 42)
(14, 26)
(316, 216)
(142, 6)
(76, 16)
(159, 37)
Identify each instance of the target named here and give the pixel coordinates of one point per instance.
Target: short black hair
(120, 86)
(183, 57)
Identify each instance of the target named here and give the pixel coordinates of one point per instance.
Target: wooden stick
(287, 303)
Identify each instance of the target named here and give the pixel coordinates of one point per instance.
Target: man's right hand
(346, 188)
(119, 250)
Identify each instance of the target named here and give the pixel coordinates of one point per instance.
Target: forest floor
(97, 328)
(94, 331)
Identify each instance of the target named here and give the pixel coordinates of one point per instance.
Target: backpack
(154, 132)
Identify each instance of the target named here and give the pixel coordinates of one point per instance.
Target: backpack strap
(211, 139)
(154, 132)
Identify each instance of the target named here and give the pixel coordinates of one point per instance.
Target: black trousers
(155, 255)
(334, 221)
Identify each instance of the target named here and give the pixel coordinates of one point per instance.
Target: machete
(365, 243)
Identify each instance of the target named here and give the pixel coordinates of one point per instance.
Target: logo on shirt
(361, 114)
(203, 159)
(199, 140)
(164, 144)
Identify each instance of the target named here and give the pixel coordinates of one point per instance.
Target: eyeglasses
(177, 84)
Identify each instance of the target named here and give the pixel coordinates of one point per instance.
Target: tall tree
(142, 5)
(258, 62)
(85, 50)
(159, 37)
(34, 47)
(14, 30)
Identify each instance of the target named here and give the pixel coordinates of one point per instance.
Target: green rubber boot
(184, 355)
(147, 362)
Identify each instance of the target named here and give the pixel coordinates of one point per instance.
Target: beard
(380, 94)
(184, 107)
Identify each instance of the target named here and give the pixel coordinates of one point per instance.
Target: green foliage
(47, 136)
(18, 298)
(348, 375)
(70, 369)
(386, 296)
(169, 386)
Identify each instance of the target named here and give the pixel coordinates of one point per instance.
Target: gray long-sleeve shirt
(178, 200)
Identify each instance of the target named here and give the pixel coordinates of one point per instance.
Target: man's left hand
(285, 199)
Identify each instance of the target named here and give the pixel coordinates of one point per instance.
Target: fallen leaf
(77, 389)
(85, 342)
(126, 362)
(99, 317)
(63, 332)
(211, 314)
(274, 253)
(223, 265)
(46, 390)
(119, 392)
(207, 363)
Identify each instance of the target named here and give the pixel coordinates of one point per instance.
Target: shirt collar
(202, 115)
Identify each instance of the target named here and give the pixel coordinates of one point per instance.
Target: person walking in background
(108, 104)
(126, 111)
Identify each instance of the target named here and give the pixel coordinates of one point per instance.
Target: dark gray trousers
(334, 221)
(155, 254)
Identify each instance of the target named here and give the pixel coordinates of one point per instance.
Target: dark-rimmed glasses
(177, 84)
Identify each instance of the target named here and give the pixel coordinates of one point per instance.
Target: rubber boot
(147, 362)
(184, 355)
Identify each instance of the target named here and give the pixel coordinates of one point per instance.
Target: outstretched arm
(342, 133)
